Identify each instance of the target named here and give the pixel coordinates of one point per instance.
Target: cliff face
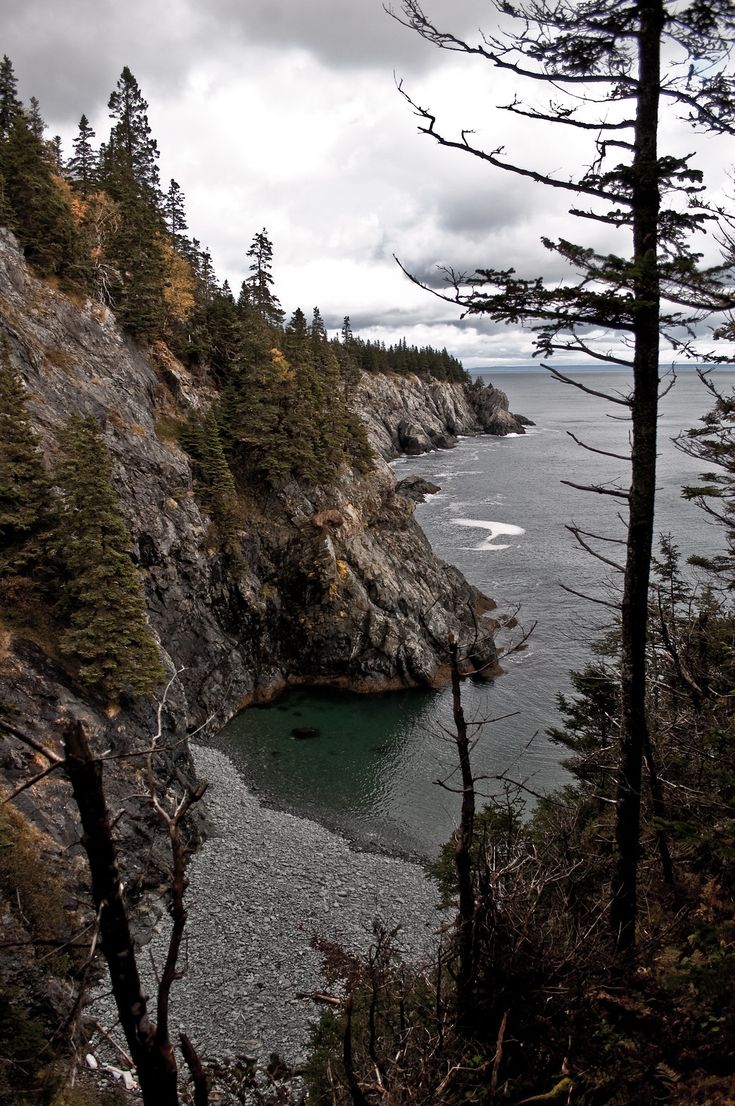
(337, 585)
(407, 415)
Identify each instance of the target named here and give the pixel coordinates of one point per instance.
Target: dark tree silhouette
(602, 61)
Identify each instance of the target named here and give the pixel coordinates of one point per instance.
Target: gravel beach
(262, 887)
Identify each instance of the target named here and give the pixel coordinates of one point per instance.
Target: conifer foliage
(108, 638)
(27, 511)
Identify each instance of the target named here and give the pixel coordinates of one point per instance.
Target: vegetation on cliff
(101, 223)
(66, 576)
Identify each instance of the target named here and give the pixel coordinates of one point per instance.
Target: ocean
(500, 517)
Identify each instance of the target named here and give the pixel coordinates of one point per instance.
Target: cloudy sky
(285, 114)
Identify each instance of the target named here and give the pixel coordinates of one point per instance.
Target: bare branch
(590, 598)
(31, 742)
(583, 388)
(32, 782)
(593, 552)
(593, 449)
(492, 158)
(597, 488)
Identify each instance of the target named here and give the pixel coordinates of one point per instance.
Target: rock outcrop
(336, 585)
(407, 415)
(490, 406)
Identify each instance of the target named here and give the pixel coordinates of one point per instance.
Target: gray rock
(336, 585)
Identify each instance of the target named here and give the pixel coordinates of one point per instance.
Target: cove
(500, 517)
(342, 759)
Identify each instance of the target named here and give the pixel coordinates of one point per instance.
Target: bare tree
(602, 61)
(149, 1042)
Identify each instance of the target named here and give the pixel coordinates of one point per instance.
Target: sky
(285, 114)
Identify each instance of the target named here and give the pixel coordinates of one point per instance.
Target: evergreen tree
(347, 335)
(131, 152)
(82, 168)
(10, 105)
(639, 58)
(108, 639)
(259, 283)
(713, 443)
(215, 482)
(39, 213)
(27, 512)
(36, 120)
(175, 215)
(56, 154)
(318, 330)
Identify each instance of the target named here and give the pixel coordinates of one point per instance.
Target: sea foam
(495, 528)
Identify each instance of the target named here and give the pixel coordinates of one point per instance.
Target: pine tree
(108, 639)
(10, 105)
(82, 168)
(39, 213)
(259, 283)
(131, 152)
(27, 511)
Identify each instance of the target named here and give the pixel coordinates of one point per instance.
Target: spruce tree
(56, 154)
(107, 638)
(39, 212)
(37, 123)
(10, 105)
(639, 60)
(82, 167)
(318, 330)
(214, 480)
(131, 150)
(175, 215)
(259, 285)
(27, 511)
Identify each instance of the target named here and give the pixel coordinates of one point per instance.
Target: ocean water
(371, 767)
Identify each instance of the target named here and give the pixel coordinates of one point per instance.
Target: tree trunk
(154, 1058)
(463, 861)
(634, 739)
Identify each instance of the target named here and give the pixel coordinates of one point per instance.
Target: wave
(496, 529)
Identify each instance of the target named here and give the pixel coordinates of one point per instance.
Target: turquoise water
(350, 774)
(500, 517)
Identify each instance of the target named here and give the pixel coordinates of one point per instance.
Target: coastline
(262, 887)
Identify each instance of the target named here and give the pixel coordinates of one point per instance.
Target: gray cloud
(69, 54)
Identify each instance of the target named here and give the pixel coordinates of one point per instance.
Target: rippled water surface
(369, 769)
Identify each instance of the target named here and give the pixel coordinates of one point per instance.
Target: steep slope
(335, 585)
(407, 415)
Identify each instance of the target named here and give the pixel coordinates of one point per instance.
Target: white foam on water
(495, 528)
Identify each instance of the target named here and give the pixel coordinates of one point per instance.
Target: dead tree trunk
(463, 860)
(153, 1056)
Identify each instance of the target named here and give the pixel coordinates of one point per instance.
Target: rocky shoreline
(262, 887)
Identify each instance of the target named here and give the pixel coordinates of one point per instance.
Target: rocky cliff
(407, 415)
(335, 585)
